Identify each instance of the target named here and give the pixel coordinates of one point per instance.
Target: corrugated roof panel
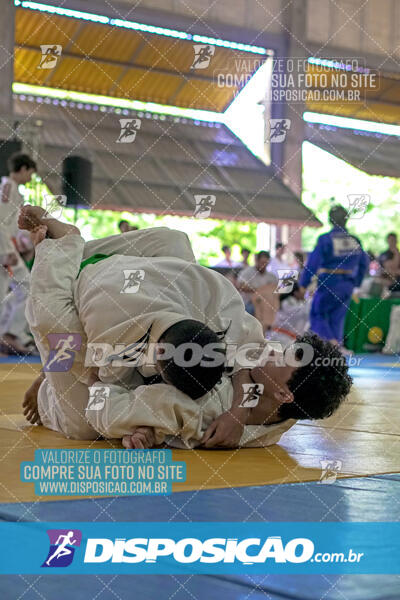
(83, 75)
(142, 85)
(102, 41)
(164, 168)
(372, 111)
(26, 69)
(163, 71)
(226, 157)
(35, 28)
(376, 154)
(166, 53)
(197, 92)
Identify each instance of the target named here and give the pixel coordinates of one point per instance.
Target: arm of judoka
(312, 265)
(228, 428)
(161, 406)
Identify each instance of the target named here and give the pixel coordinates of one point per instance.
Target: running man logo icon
(277, 130)
(62, 351)
(330, 470)
(54, 205)
(358, 204)
(203, 53)
(50, 55)
(251, 394)
(63, 543)
(286, 280)
(204, 204)
(97, 397)
(133, 279)
(129, 129)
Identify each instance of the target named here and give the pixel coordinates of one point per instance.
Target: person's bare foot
(141, 439)
(33, 217)
(30, 217)
(30, 403)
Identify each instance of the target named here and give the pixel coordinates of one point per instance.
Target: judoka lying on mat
(91, 302)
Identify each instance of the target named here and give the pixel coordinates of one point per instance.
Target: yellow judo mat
(363, 435)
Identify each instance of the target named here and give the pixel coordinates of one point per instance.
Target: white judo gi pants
(63, 396)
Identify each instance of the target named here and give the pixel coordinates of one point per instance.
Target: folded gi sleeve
(161, 406)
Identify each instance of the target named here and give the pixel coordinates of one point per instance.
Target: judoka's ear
(284, 395)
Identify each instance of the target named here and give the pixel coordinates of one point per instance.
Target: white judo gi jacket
(95, 305)
(171, 290)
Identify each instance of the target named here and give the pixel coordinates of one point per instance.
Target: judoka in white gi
(14, 274)
(71, 314)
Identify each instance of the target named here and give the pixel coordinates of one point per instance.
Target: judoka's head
(194, 358)
(314, 389)
(338, 216)
(21, 167)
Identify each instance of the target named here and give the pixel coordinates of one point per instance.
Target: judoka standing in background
(340, 263)
(13, 271)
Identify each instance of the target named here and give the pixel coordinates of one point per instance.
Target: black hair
(294, 289)
(320, 386)
(225, 248)
(338, 215)
(245, 250)
(263, 253)
(391, 234)
(122, 222)
(279, 245)
(18, 160)
(196, 380)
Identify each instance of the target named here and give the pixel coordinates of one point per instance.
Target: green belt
(92, 260)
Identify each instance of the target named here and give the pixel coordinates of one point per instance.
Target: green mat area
(367, 324)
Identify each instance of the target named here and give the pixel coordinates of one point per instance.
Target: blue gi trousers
(329, 306)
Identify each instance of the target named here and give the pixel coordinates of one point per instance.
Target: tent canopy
(170, 161)
(374, 153)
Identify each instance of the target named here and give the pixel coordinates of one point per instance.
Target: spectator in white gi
(14, 274)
